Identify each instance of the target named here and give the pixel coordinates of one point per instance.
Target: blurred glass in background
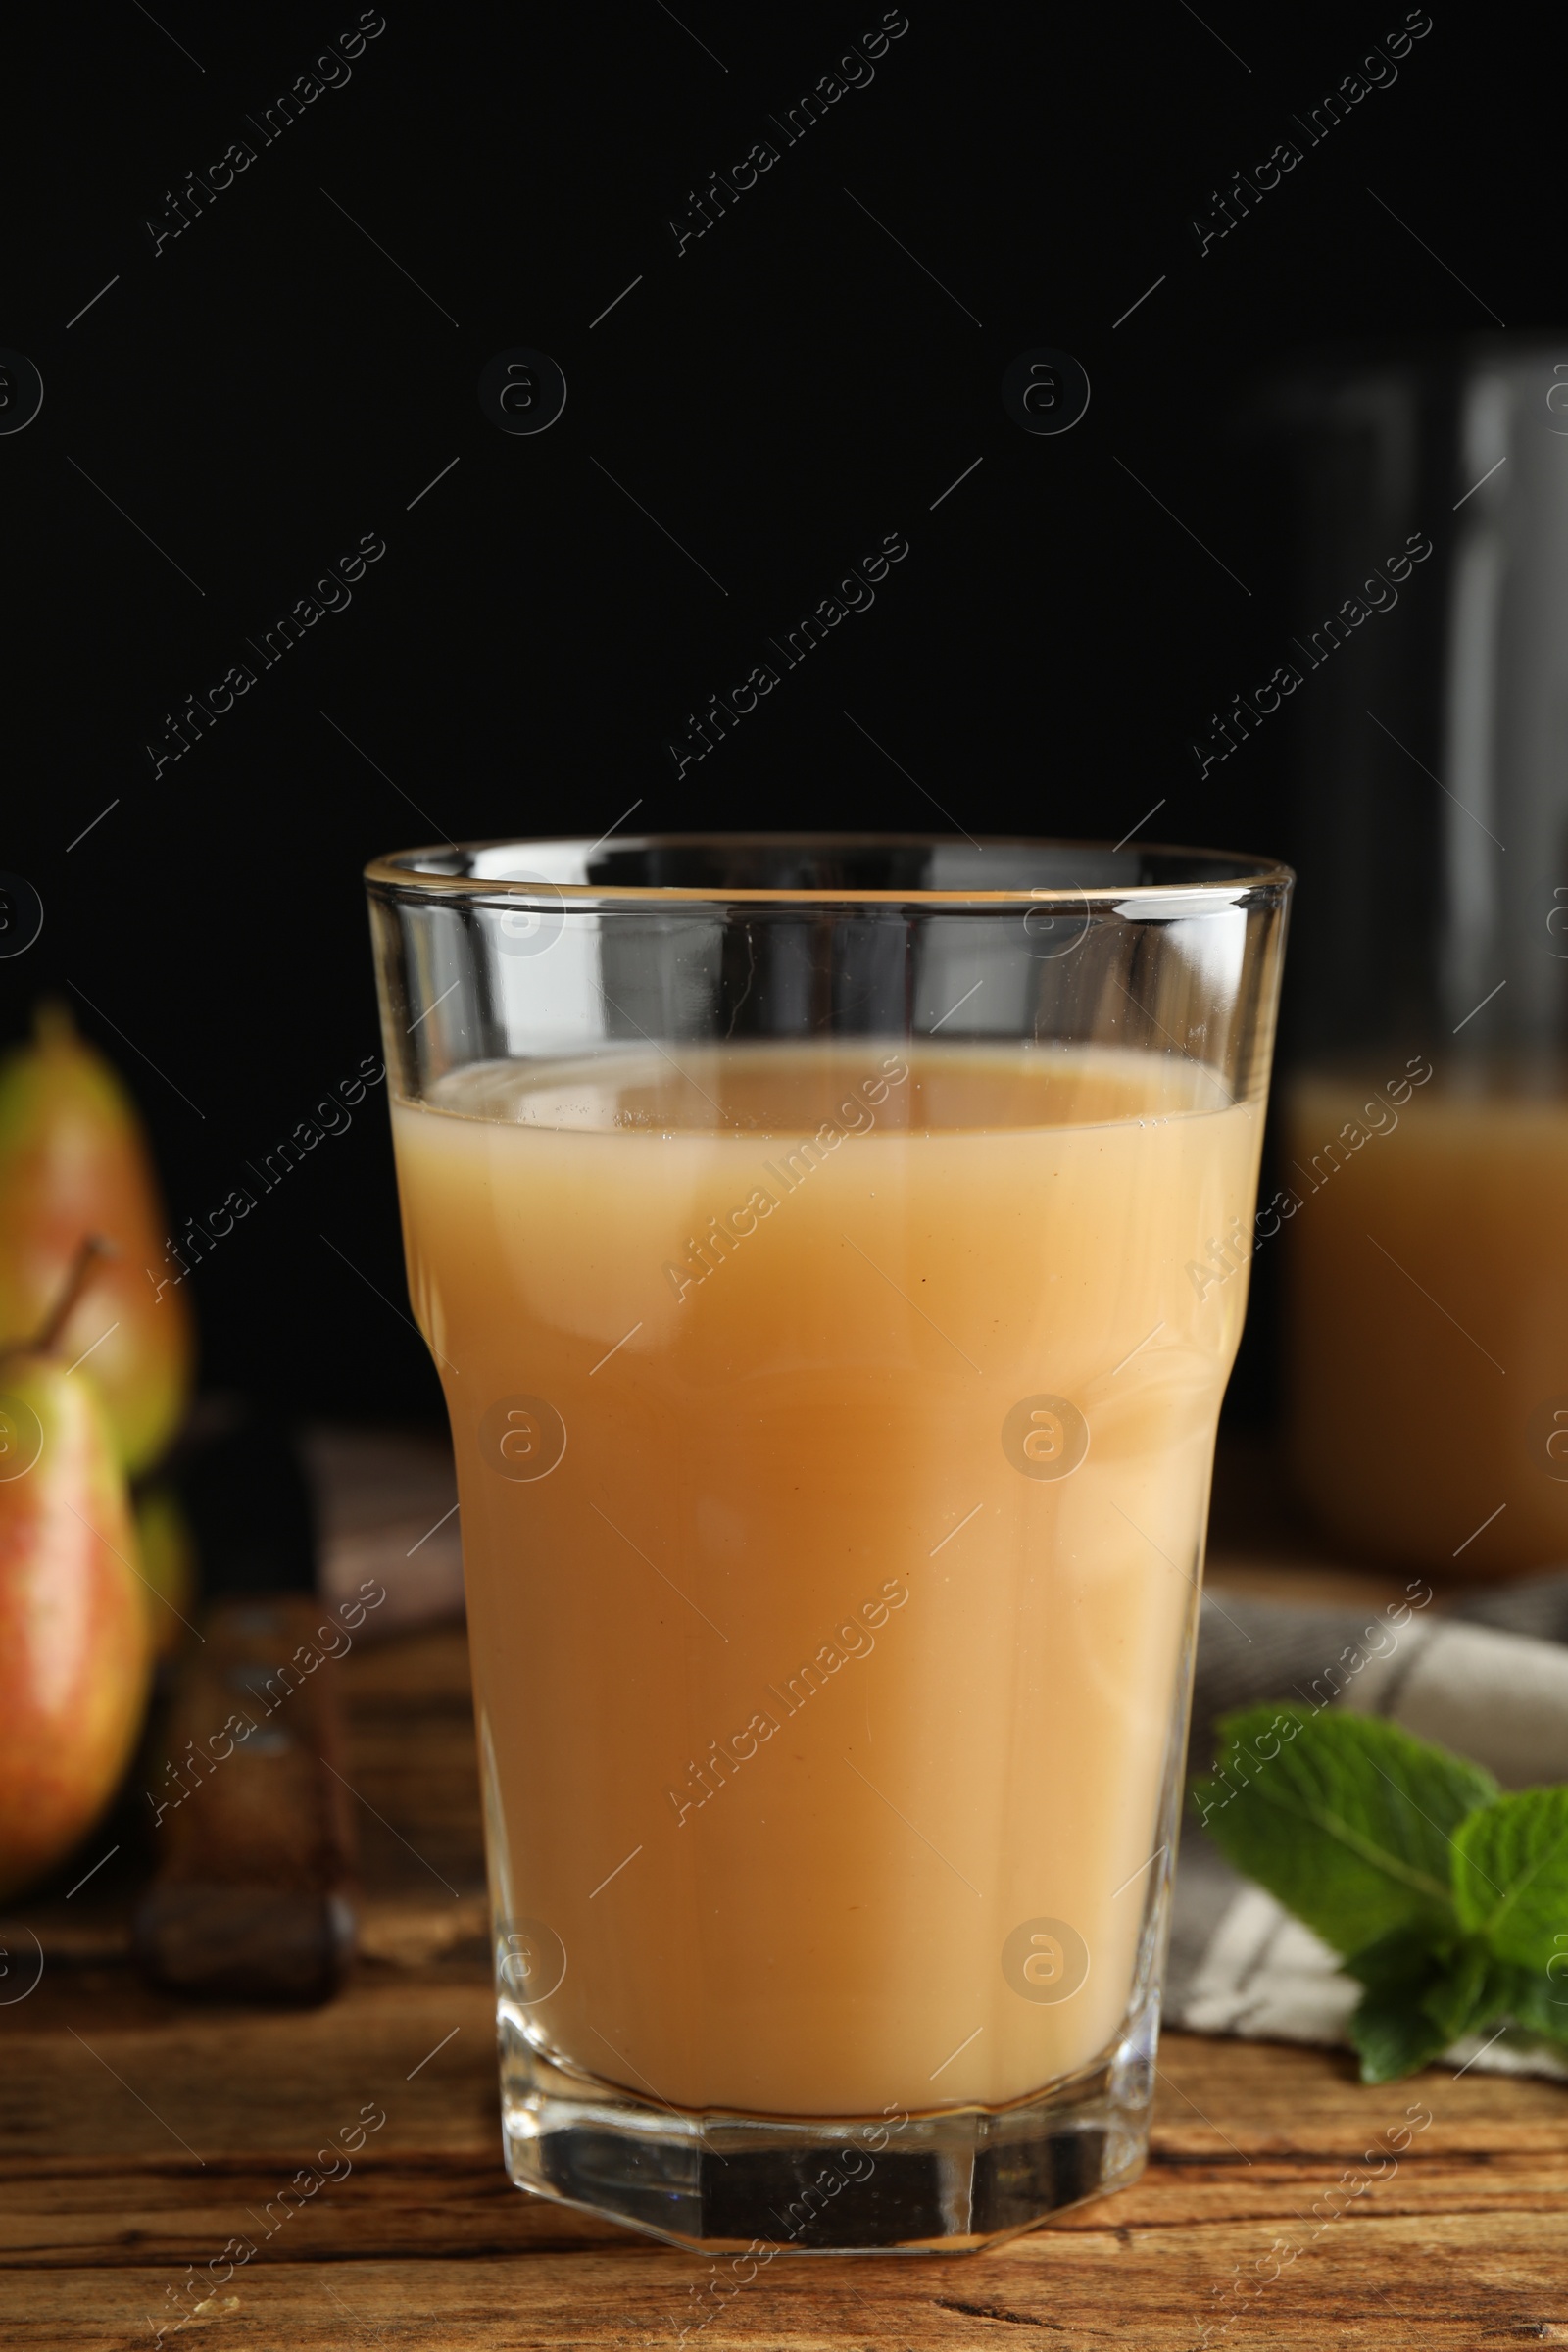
(1424, 1117)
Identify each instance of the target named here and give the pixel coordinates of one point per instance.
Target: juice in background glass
(1427, 1276)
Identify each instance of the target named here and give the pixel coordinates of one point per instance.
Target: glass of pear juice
(805, 1233)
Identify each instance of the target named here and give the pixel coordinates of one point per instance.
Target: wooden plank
(141, 2077)
(139, 2134)
(90, 2046)
(236, 2103)
(70, 2217)
(1379, 2284)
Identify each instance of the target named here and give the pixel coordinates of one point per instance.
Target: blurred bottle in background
(1425, 1116)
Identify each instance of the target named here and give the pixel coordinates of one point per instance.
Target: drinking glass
(816, 1239)
(1425, 1129)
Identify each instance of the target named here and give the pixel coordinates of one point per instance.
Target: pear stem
(94, 1250)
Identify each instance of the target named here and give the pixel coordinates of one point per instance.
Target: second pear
(73, 1161)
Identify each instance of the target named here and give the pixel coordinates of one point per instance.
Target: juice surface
(819, 1655)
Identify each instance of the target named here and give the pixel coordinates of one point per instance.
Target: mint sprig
(1447, 1900)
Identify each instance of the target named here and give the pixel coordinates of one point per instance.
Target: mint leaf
(1422, 1995)
(1466, 1991)
(1510, 1884)
(1395, 1959)
(1447, 1900)
(1346, 1820)
(1510, 1878)
(1537, 2004)
(1394, 2035)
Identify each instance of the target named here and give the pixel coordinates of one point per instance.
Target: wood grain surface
(139, 2133)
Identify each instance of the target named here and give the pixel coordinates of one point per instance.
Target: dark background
(271, 386)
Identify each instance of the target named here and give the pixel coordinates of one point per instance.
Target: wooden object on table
(386, 1508)
(140, 2135)
(253, 1897)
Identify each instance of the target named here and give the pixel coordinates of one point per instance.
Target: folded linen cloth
(1488, 1678)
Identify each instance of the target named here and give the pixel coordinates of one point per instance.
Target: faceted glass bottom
(945, 2183)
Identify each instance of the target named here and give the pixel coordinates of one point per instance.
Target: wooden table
(138, 2134)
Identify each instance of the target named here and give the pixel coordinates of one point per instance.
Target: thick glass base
(945, 2182)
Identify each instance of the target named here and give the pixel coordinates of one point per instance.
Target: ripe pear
(73, 1161)
(75, 1639)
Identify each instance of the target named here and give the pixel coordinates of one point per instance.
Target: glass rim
(401, 874)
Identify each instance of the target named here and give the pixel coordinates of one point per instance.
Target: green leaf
(1421, 1996)
(1537, 2004)
(1466, 1991)
(1346, 1820)
(1510, 1880)
(1394, 2035)
(1400, 1957)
